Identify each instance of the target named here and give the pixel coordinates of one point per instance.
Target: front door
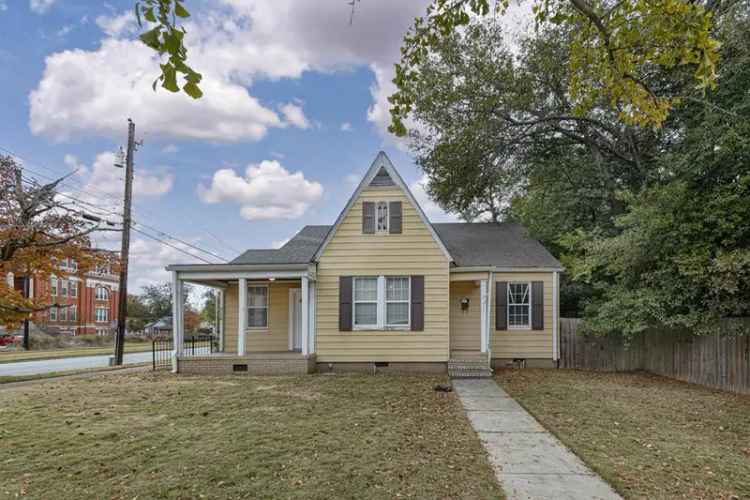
(295, 319)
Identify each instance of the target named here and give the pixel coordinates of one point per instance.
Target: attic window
(381, 217)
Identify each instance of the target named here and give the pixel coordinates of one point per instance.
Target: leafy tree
(38, 230)
(681, 254)
(614, 47)
(158, 299)
(208, 313)
(192, 320)
(138, 313)
(167, 39)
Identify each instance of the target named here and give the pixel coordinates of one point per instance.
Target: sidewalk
(529, 462)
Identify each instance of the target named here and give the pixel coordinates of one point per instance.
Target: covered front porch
(265, 318)
(470, 324)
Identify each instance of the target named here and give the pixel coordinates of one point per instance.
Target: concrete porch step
(461, 368)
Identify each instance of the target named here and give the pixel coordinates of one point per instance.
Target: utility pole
(122, 310)
(26, 293)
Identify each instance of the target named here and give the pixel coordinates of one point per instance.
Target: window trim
(63, 287)
(267, 306)
(53, 286)
(72, 285)
(53, 313)
(96, 314)
(73, 313)
(106, 294)
(375, 325)
(387, 217)
(527, 326)
(382, 304)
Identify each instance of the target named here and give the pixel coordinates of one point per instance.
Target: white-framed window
(53, 314)
(381, 217)
(381, 302)
(519, 305)
(102, 269)
(73, 288)
(53, 286)
(73, 265)
(365, 302)
(257, 306)
(397, 300)
(64, 288)
(73, 313)
(101, 293)
(101, 314)
(63, 314)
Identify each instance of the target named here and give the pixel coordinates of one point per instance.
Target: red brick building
(91, 299)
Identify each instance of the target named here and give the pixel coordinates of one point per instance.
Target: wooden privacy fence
(716, 361)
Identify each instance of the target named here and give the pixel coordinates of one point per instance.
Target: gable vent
(382, 179)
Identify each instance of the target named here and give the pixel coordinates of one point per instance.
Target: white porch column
(485, 317)
(220, 317)
(311, 318)
(242, 317)
(555, 318)
(177, 312)
(305, 315)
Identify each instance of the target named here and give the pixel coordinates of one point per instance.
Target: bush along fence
(718, 361)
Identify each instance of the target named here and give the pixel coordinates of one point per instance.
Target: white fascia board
(233, 275)
(493, 269)
(382, 160)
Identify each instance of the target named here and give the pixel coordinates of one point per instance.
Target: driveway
(67, 364)
(529, 462)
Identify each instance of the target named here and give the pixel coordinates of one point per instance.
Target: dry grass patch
(161, 436)
(650, 437)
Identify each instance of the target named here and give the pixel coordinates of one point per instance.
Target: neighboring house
(91, 298)
(382, 289)
(162, 326)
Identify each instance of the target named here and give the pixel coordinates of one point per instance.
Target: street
(67, 364)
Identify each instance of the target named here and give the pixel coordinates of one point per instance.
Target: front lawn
(650, 437)
(16, 355)
(162, 436)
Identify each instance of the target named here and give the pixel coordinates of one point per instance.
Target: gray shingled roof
(470, 244)
(298, 250)
(488, 244)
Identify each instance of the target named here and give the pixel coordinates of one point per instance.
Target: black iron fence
(199, 345)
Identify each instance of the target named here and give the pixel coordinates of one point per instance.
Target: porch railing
(199, 345)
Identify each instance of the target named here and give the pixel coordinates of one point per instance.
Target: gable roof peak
(382, 161)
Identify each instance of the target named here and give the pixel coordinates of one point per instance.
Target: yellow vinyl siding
(273, 338)
(524, 343)
(465, 326)
(351, 253)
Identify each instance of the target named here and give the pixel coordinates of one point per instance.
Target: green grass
(162, 436)
(70, 352)
(650, 437)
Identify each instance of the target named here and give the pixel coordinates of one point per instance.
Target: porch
(265, 319)
(470, 325)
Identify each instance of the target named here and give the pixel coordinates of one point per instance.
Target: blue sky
(295, 98)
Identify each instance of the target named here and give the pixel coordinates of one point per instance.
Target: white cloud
(118, 25)
(431, 209)
(294, 115)
(40, 6)
(88, 92)
(170, 149)
(3, 6)
(279, 243)
(346, 127)
(267, 191)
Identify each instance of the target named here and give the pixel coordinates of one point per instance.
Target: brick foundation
(246, 365)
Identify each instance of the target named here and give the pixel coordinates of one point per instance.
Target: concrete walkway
(529, 462)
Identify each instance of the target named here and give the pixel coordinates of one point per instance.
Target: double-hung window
(73, 288)
(53, 314)
(73, 313)
(257, 306)
(381, 302)
(366, 302)
(101, 314)
(101, 293)
(519, 305)
(397, 301)
(53, 286)
(64, 288)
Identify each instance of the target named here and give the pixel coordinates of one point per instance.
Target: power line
(173, 246)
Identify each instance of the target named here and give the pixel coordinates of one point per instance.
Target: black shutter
(501, 305)
(417, 303)
(537, 305)
(394, 212)
(345, 303)
(368, 217)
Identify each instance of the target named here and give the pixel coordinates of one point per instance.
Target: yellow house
(382, 289)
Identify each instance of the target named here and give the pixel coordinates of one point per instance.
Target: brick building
(92, 298)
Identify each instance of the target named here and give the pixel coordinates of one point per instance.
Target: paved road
(67, 364)
(529, 462)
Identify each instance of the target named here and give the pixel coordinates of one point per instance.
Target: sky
(295, 110)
